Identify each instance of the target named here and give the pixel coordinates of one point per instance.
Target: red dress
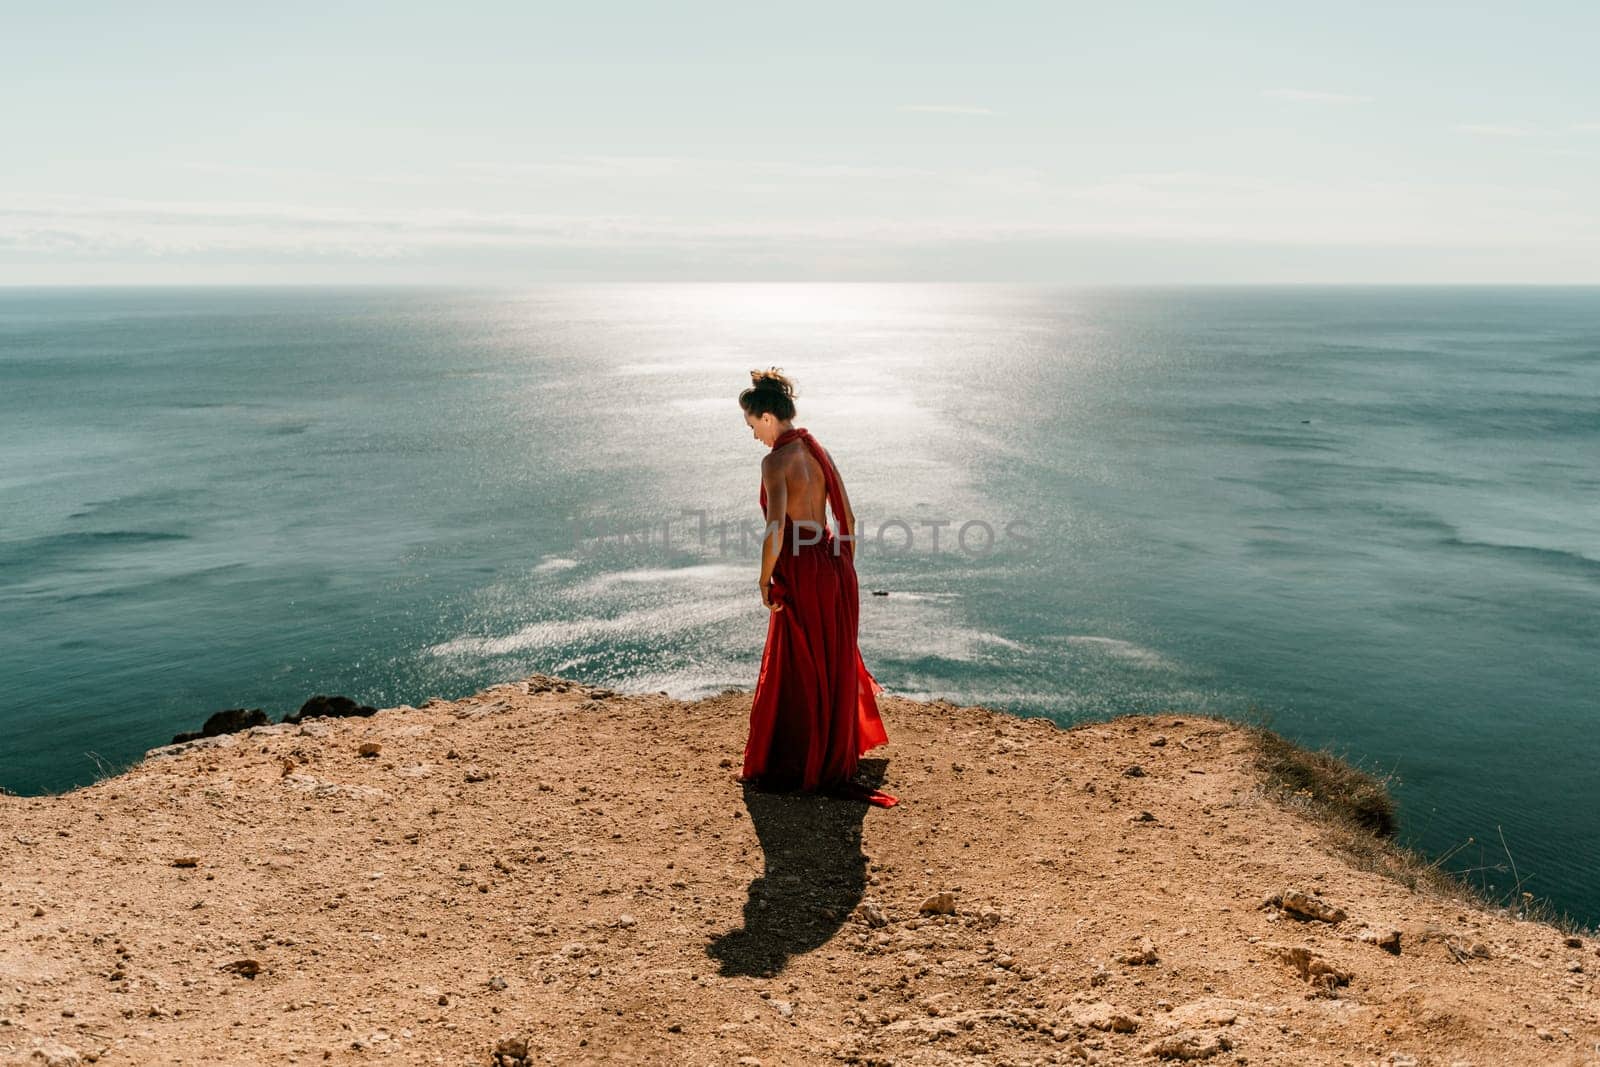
(815, 709)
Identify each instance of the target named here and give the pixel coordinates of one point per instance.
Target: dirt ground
(570, 876)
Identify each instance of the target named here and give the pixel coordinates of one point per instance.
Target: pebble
(1385, 938)
(1309, 906)
(1143, 953)
(511, 1052)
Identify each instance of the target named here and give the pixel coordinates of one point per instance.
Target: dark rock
(328, 707)
(880, 592)
(228, 721)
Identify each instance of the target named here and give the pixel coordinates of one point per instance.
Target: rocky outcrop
(228, 721)
(326, 707)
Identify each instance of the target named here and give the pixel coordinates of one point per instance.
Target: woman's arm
(776, 484)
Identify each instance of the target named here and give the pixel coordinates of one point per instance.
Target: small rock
(369, 749)
(1103, 1016)
(497, 983)
(938, 904)
(872, 912)
(1386, 939)
(242, 968)
(1143, 953)
(186, 861)
(511, 1052)
(626, 921)
(1158, 740)
(47, 1053)
(1573, 942)
(1188, 1045)
(476, 774)
(724, 762)
(1308, 906)
(1311, 967)
(1134, 771)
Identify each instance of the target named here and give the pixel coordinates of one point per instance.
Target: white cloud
(956, 209)
(699, 169)
(1314, 96)
(276, 173)
(948, 109)
(1486, 129)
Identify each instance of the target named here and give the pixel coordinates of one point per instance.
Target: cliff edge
(551, 873)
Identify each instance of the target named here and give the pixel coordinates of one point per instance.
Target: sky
(1057, 142)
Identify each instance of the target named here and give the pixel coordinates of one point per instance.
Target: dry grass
(1361, 816)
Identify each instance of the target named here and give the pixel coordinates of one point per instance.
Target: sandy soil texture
(548, 873)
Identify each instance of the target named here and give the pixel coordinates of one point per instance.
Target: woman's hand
(766, 595)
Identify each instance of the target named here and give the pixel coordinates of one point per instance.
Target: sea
(1368, 517)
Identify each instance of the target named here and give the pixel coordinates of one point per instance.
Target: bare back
(807, 487)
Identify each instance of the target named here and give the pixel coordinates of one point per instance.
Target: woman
(815, 708)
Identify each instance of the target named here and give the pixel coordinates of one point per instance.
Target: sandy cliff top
(583, 874)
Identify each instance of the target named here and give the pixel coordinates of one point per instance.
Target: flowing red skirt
(815, 709)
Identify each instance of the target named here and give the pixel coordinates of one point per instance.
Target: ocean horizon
(1367, 513)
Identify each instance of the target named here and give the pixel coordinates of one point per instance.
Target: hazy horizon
(1041, 144)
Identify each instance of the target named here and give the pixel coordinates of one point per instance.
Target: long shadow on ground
(814, 877)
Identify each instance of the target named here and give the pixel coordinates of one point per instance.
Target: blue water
(1374, 513)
